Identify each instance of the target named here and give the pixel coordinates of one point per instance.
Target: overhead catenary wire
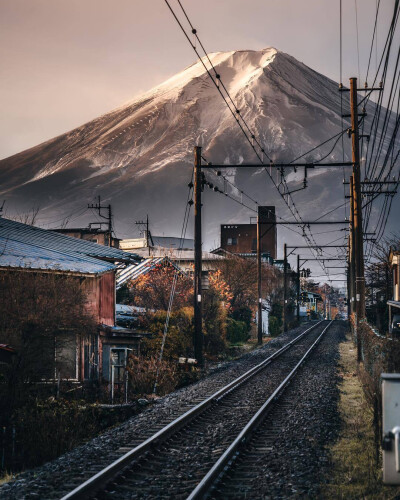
(174, 282)
(281, 187)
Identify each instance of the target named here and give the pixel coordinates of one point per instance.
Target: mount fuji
(139, 157)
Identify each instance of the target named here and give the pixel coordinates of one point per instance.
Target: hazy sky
(64, 62)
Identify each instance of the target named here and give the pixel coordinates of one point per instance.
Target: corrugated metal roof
(133, 272)
(16, 254)
(50, 240)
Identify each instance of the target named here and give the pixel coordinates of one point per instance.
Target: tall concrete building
(241, 239)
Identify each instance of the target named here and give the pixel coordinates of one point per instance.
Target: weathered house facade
(394, 304)
(92, 234)
(29, 254)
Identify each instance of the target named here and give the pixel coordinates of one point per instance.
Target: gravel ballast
(59, 476)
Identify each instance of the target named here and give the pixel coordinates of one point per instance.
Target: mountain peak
(144, 149)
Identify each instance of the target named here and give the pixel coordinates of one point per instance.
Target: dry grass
(6, 478)
(355, 473)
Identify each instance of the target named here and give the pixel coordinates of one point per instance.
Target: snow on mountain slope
(139, 156)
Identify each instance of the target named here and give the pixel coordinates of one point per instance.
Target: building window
(65, 355)
(232, 241)
(90, 358)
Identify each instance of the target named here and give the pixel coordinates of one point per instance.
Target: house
(309, 302)
(179, 251)
(156, 243)
(265, 256)
(28, 254)
(92, 233)
(394, 304)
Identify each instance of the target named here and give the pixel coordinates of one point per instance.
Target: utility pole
(147, 233)
(284, 287)
(198, 331)
(357, 222)
(259, 303)
(99, 207)
(357, 214)
(352, 253)
(149, 238)
(298, 288)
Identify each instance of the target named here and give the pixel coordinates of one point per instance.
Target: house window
(90, 358)
(65, 355)
(232, 241)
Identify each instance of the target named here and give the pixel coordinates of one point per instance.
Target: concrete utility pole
(284, 287)
(259, 297)
(198, 330)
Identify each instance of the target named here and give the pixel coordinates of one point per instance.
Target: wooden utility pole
(298, 288)
(284, 287)
(352, 253)
(259, 297)
(357, 207)
(198, 330)
(357, 232)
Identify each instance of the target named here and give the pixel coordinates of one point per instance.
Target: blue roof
(29, 247)
(60, 242)
(15, 254)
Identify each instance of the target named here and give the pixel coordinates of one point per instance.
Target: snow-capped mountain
(139, 157)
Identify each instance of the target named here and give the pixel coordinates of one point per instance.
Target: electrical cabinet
(391, 427)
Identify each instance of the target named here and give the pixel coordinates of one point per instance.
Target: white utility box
(391, 427)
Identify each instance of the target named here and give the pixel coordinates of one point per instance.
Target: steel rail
(219, 468)
(99, 480)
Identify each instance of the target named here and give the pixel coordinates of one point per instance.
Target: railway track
(185, 458)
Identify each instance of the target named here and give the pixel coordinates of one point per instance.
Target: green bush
(273, 326)
(243, 314)
(277, 312)
(237, 331)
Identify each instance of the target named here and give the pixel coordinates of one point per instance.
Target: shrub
(179, 340)
(243, 314)
(277, 312)
(143, 372)
(237, 331)
(273, 326)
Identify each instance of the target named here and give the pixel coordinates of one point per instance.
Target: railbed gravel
(307, 420)
(56, 478)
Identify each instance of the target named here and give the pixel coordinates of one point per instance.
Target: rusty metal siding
(107, 298)
(100, 293)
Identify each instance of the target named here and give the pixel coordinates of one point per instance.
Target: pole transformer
(198, 330)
